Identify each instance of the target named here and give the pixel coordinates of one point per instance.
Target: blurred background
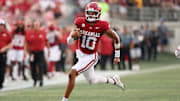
(148, 29)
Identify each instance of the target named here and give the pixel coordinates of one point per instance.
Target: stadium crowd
(120, 8)
(36, 43)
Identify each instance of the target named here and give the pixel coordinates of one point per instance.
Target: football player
(88, 31)
(17, 52)
(53, 37)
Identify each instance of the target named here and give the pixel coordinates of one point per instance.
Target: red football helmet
(20, 22)
(51, 27)
(94, 8)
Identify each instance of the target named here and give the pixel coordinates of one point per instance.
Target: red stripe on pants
(89, 64)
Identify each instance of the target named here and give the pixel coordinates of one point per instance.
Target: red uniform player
(53, 37)
(88, 31)
(16, 54)
(18, 36)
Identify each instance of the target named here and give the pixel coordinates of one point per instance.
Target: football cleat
(118, 82)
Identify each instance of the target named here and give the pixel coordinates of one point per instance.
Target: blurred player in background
(17, 52)
(53, 37)
(88, 31)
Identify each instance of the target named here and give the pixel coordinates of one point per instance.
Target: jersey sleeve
(78, 21)
(105, 26)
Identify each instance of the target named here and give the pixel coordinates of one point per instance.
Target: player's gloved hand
(76, 33)
(116, 60)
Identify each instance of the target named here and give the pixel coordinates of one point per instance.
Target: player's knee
(72, 74)
(20, 64)
(13, 63)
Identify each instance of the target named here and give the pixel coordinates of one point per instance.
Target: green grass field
(159, 86)
(156, 86)
(163, 59)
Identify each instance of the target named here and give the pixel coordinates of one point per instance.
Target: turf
(158, 86)
(163, 59)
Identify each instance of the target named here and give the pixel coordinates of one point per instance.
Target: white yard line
(62, 78)
(158, 69)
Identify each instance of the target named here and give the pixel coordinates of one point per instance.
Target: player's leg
(26, 63)
(95, 79)
(50, 62)
(55, 54)
(92, 78)
(71, 78)
(50, 69)
(10, 66)
(24, 70)
(19, 58)
(12, 62)
(84, 62)
(71, 83)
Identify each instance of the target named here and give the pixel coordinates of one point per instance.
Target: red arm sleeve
(78, 21)
(105, 25)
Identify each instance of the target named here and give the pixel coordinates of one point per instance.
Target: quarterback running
(88, 31)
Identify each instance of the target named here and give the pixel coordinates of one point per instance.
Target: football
(177, 52)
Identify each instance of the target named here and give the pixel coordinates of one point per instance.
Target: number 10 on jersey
(86, 40)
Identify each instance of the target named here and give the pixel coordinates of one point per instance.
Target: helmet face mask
(92, 12)
(92, 16)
